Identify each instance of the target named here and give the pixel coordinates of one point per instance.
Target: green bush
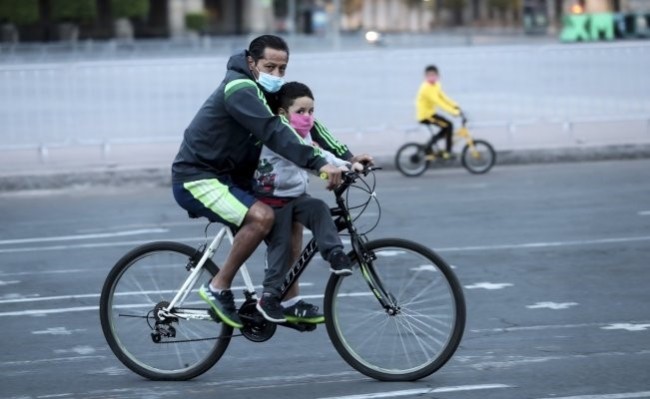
(196, 21)
(130, 8)
(19, 12)
(76, 11)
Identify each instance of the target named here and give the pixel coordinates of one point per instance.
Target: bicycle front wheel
(411, 159)
(480, 158)
(179, 346)
(403, 345)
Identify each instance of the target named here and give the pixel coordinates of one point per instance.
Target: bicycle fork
(376, 285)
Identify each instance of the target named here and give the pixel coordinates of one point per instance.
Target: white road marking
(420, 391)
(83, 236)
(11, 282)
(628, 395)
(424, 268)
(489, 286)
(542, 327)
(389, 253)
(552, 305)
(644, 213)
(77, 350)
(97, 295)
(627, 326)
(40, 272)
(57, 331)
(44, 312)
(447, 249)
(614, 240)
(49, 360)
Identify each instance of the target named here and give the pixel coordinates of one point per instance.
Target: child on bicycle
(431, 97)
(283, 186)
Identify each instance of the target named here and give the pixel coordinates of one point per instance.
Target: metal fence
(71, 103)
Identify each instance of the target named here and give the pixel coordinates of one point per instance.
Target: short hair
(431, 68)
(291, 91)
(259, 44)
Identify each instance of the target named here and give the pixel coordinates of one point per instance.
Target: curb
(160, 175)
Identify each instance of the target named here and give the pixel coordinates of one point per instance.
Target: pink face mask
(432, 80)
(302, 123)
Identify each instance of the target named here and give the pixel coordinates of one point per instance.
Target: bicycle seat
(192, 215)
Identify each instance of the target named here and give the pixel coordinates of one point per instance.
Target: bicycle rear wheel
(154, 346)
(479, 159)
(411, 159)
(420, 337)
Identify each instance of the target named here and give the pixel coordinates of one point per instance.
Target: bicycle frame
(461, 133)
(342, 220)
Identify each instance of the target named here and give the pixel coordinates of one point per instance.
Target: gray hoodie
(278, 177)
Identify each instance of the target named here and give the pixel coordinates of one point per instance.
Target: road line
(43, 312)
(549, 327)
(532, 245)
(95, 245)
(420, 391)
(615, 240)
(628, 395)
(44, 272)
(83, 236)
(644, 213)
(81, 296)
(51, 360)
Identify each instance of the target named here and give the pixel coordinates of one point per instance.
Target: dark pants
(311, 213)
(446, 129)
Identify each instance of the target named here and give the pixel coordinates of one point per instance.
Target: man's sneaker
(303, 312)
(223, 304)
(340, 264)
(269, 306)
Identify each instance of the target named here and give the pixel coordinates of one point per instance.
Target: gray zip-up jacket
(225, 137)
(278, 177)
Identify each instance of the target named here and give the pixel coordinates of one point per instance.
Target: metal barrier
(98, 103)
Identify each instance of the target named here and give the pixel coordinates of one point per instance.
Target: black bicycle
(399, 317)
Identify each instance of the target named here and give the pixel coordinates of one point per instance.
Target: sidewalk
(149, 163)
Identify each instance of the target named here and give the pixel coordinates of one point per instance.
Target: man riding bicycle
(213, 172)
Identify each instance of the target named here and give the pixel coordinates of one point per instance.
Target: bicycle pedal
(302, 327)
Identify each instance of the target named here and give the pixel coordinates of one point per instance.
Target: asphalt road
(553, 258)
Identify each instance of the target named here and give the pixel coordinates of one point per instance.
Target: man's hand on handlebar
(333, 175)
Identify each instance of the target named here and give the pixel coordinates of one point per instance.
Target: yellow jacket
(430, 97)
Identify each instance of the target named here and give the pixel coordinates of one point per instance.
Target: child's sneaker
(340, 263)
(303, 312)
(269, 306)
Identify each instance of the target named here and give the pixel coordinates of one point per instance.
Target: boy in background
(431, 97)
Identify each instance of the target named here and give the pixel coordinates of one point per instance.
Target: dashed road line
(532, 245)
(420, 391)
(628, 395)
(83, 236)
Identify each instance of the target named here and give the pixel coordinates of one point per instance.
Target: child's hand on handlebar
(363, 159)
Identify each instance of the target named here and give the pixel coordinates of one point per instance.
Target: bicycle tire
(485, 150)
(349, 303)
(410, 159)
(111, 303)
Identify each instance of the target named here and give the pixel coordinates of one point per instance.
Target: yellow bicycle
(477, 156)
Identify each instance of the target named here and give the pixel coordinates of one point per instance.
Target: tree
(130, 8)
(74, 11)
(19, 12)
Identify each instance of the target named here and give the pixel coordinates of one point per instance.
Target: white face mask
(269, 82)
